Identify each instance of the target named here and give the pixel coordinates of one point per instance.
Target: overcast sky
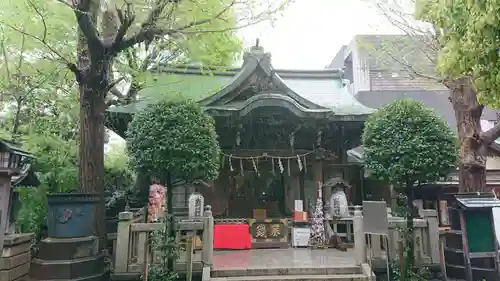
(312, 31)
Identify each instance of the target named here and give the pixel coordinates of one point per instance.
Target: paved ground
(282, 258)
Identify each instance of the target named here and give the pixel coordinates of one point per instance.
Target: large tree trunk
(92, 122)
(473, 148)
(92, 152)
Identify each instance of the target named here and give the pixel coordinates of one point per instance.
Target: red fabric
(232, 236)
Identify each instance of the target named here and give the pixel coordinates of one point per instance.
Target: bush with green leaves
(406, 144)
(174, 138)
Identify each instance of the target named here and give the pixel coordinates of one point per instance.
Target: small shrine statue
(338, 203)
(338, 209)
(156, 202)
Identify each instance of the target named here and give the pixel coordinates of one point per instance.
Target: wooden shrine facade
(282, 133)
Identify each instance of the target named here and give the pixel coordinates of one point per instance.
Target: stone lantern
(12, 161)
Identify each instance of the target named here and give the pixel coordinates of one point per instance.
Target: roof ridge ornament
(257, 49)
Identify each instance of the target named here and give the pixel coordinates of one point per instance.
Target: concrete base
(67, 269)
(98, 277)
(16, 257)
(74, 259)
(67, 249)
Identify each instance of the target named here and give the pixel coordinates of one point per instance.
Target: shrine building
(282, 133)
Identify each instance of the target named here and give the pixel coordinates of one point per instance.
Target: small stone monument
(196, 202)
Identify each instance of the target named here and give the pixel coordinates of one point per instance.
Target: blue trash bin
(71, 215)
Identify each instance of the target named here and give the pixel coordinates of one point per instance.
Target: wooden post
(433, 231)
(359, 236)
(401, 258)
(143, 253)
(122, 242)
(465, 243)
(5, 193)
(208, 238)
(189, 257)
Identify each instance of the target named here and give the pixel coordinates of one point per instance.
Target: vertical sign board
(195, 205)
(479, 231)
(375, 219)
(299, 206)
(496, 222)
(376, 222)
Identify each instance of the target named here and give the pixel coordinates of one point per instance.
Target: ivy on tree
(407, 144)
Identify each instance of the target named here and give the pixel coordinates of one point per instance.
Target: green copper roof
(328, 93)
(318, 93)
(176, 86)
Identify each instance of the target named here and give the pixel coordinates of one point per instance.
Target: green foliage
(166, 248)
(405, 142)
(31, 217)
(421, 274)
(56, 161)
(175, 138)
(118, 172)
(56, 167)
(469, 32)
(24, 70)
(119, 180)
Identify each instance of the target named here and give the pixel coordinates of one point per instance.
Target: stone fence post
(123, 241)
(433, 231)
(208, 238)
(359, 236)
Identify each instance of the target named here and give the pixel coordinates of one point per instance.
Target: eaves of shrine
(236, 92)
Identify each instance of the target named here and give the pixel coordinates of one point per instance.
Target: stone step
(68, 248)
(286, 271)
(335, 277)
(67, 269)
(98, 277)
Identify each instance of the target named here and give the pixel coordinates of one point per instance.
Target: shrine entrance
(259, 193)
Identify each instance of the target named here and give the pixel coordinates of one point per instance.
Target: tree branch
(84, 19)
(6, 60)
(112, 86)
(149, 30)
(70, 65)
(491, 135)
(126, 20)
(410, 68)
(120, 43)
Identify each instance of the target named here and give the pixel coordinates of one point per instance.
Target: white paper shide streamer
(280, 164)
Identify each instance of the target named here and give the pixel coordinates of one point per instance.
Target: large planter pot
(71, 214)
